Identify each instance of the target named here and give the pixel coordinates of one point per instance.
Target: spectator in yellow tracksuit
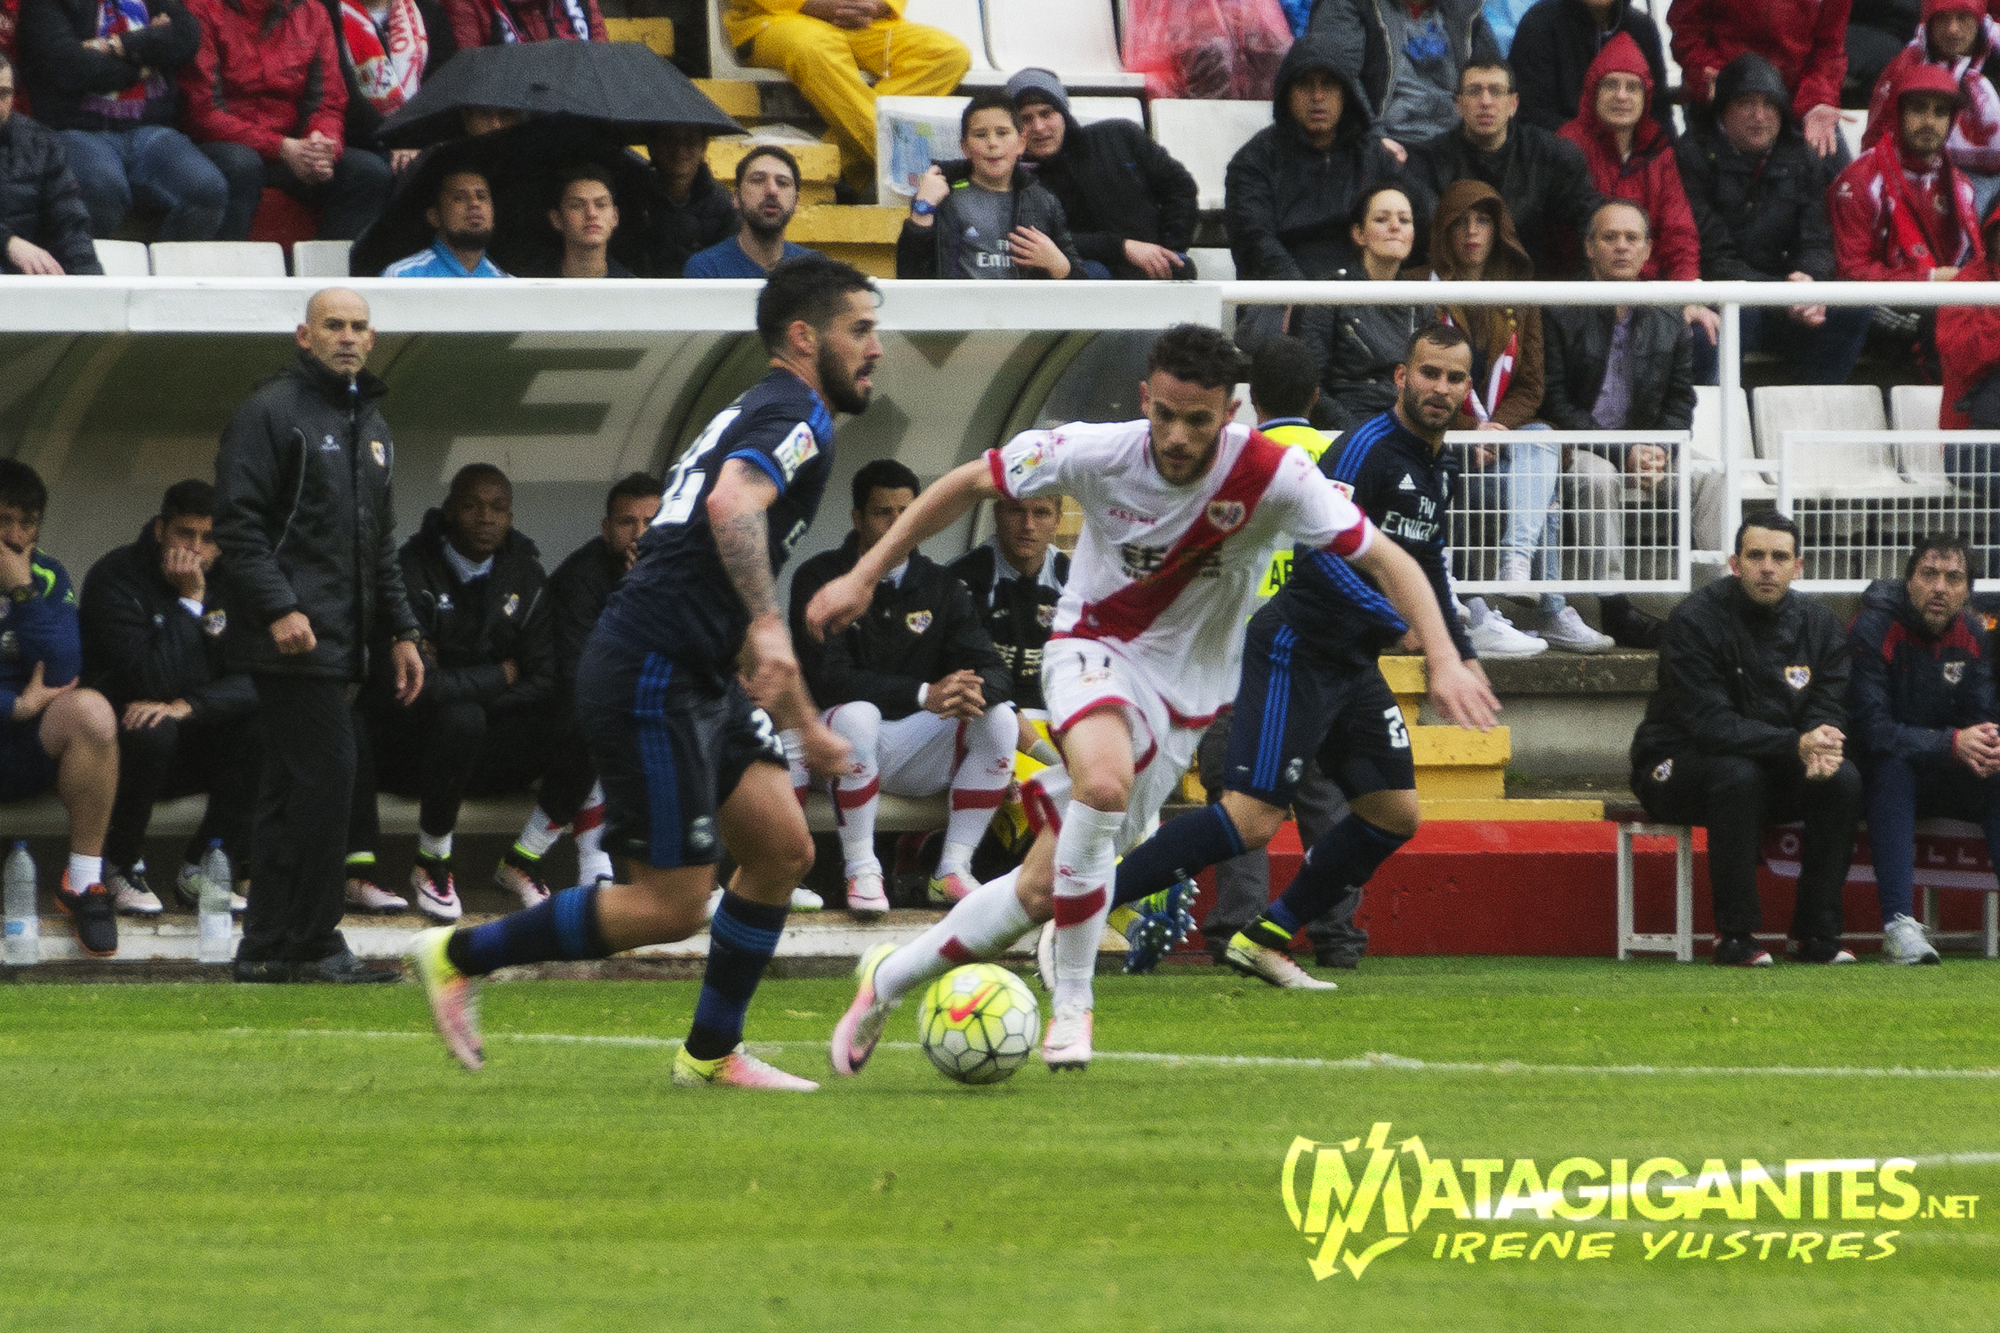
(823, 46)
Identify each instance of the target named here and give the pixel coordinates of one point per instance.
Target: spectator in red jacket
(1968, 339)
(505, 22)
(1902, 212)
(1805, 39)
(1631, 157)
(1956, 36)
(266, 99)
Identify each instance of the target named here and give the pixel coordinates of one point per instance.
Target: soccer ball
(978, 1024)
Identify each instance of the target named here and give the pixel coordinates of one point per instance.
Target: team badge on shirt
(1954, 672)
(799, 447)
(1798, 677)
(918, 621)
(1045, 616)
(214, 623)
(1663, 770)
(512, 604)
(1227, 514)
(378, 453)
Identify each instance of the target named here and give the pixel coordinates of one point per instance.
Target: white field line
(1372, 1060)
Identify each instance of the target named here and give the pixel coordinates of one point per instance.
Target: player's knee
(1256, 823)
(858, 724)
(1101, 791)
(86, 717)
(1397, 813)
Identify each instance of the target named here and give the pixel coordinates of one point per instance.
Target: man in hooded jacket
(1959, 37)
(1758, 194)
(1290, 190)
(1131, 207)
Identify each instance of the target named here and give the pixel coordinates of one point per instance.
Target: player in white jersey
(1181, 511)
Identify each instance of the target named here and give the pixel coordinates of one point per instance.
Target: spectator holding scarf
(385, 52)
(1902, 212)
(101, 72)
(1958, 37)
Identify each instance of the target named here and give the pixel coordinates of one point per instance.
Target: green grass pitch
(217, 1157)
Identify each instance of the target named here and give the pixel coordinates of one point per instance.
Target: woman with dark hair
(1360, 346)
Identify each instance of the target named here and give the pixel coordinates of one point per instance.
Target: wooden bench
(1632, 823)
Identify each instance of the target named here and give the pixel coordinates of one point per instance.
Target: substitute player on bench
(683, 754)
(1181, 510)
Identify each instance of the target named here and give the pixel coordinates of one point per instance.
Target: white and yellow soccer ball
(979, 1023)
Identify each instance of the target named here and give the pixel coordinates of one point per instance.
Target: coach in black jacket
(1924, 723)
(485, 719)
(153, 620)
(1130, 206)
(1745, 730)
(306, 523)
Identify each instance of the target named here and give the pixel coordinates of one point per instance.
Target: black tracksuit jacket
(473, 628)
(139, 642)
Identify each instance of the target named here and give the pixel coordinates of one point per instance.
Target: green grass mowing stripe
(157, 1176)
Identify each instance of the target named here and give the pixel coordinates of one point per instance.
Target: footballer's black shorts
(1298, 702)
(669, 750)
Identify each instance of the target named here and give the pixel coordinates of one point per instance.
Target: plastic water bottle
(24, 926)
(215, 881)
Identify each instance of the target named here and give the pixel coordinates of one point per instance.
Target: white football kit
(1162, 583)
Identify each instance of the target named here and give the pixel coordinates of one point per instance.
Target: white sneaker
(437, 897)
(865, 896)
(1905, 942)
(1493, 635)
(805, 900)
(131, 894)
(369, 897)
(1568, 632)
(1514, 568)
(1067, 1043)
(187, 885)
(1254, 960)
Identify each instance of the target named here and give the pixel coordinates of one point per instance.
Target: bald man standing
(307, 529)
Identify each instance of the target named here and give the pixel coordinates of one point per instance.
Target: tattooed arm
(770, 666)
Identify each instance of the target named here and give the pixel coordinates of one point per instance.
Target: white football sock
(538, 834)
(1086, 853)
(592, 861)
(980, 925)
(438, 847)
(85, 871)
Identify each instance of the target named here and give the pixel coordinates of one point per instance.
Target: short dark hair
(811, 288)
(1770, 521)
(193, 498)
(22, 487)
(1359, 217)
(1438, 334)
(583, 171)
(632, 486)
(471, 475)
(770, 150)
(1283, 375)
(1940, 542)
(1500, 65)
(883, 474)
(1198, 354)
(987, 99)
(444, 179)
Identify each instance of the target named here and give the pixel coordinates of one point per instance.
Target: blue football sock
(741, 940)
(562, 927)
(1183, 847)
(1344, 858)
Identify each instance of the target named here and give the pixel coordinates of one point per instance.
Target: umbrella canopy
(521, 166)
(622, 85)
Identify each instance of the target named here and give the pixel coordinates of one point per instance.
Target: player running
(1181, 510)
(688, 764)
(1311, 687)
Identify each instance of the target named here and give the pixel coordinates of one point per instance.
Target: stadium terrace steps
(657, 35)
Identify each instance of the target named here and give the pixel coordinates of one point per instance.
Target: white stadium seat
(1915, 406)
(1078, 39)
(320, 259)
(218, 259)
(1204, 135)
(722, 62)
(1214, 265)
(963, 20)
(123, 259)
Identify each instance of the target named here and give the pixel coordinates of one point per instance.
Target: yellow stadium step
(657, 35)
(819, 168)
(1486, 811)
(859, 234)
(738, 98)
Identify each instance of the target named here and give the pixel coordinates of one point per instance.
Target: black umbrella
(622, 85)
(521, 166)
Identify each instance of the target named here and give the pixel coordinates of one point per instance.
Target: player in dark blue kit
(690, 765)
(1311, 686)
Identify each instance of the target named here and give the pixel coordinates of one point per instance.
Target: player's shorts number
(1399, 735)
(767, 734)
